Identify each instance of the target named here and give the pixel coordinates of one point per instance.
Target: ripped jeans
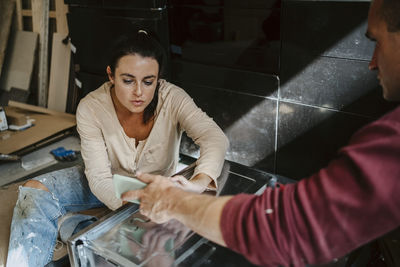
(36, 213)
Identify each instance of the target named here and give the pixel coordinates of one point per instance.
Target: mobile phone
(123, 184)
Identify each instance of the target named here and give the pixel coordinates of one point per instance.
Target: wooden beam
(40, 22)
(37, 13)
(7, 9)
(28, 13)
(61, 17)
(19, 15)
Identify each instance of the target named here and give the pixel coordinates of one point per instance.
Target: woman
(133, 122)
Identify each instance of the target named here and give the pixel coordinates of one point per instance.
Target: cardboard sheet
(18, 65)
(47, 123)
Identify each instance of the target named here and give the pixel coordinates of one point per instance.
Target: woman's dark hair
(145, 43)
(390, 12)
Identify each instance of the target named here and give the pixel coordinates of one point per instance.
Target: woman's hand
(183, 183)
(197, 184)
(153, 201)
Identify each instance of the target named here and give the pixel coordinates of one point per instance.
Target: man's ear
(110, 74)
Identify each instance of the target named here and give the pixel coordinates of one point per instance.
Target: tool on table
(7, 157)
(63, 154)
(3, 120)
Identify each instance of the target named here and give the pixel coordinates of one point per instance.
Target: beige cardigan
(107, 150)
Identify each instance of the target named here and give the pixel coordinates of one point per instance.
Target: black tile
(197, 2)
(248, 122)
(233, 3)
(118, 4)
(89, 82)
(227, 35)
(308, 138)
(93, 32)
(335, 83)
(327, 28)
(253, 4)
(225, 78)
(236, 184)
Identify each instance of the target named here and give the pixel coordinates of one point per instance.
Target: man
(352, 201)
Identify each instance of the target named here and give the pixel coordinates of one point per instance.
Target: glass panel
(137, 240)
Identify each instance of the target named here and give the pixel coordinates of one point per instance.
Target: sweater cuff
(213, 185)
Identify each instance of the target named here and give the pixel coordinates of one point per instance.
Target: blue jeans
(34, 223)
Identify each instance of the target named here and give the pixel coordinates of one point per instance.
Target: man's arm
(352, 201)
(161, 201)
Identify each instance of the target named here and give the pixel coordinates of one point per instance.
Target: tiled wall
(326, 89)
(291, 115)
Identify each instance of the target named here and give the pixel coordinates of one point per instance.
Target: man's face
(386, 57)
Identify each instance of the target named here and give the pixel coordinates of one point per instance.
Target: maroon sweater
(352, 201)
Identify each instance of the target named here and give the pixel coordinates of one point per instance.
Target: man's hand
(161, 201)
(155, 199)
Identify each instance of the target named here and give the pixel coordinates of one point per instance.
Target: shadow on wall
(308, 136)
(326, 91)
(310, 142)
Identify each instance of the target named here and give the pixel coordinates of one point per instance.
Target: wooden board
(7, 8)
(59, 73)
(40, 110)
(18, 66)
(46, 124)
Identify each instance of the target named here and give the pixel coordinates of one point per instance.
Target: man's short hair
(390, 13)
